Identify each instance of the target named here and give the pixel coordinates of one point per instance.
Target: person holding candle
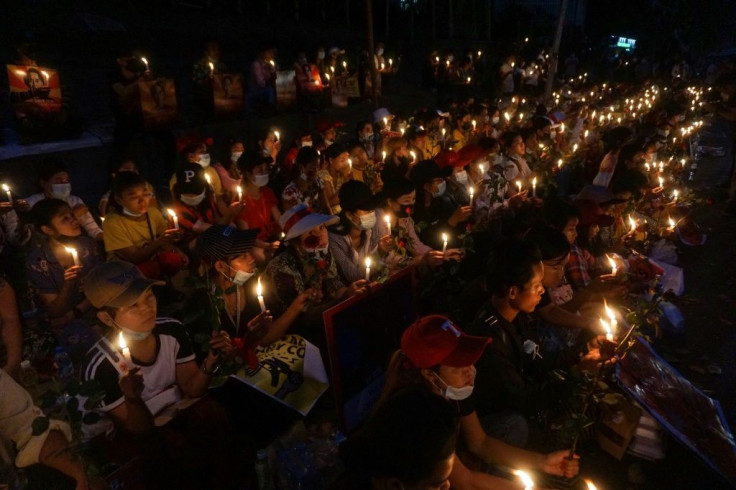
(139, 233)
(398, 160)
(355, 239)
(365, 135)
(462, 131)
(227, 168)
(513, 166)
(305, 187)
(124, 165)
(54, 182)
(307, 263)
(364, 169)
(164, 372)
(613, 140)
(335, 174)
(303, 139)
(57, 280)
(192, 149)
(436, 356)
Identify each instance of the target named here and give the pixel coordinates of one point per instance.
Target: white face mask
(440, 189)
(368, 221)
(261, 180)
(328, 143)
(193, 201)
(130, 213)
(452, 393)
(132, 334)
(240, 277)
(306, 143)
(234, 156)
(61, 191)
(495, 119)
(461, 176)
(380, 51)
(204, 160)
(321, 55)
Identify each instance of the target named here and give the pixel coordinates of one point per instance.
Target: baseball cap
(591, 213)
(116, 284)
(190, 179)
(447, 158)
(355, 195)
(434, 339)
(299, 219)
(221, 241)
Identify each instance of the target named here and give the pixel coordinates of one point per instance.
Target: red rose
(408, 210)
(402, 244)
(322, 264)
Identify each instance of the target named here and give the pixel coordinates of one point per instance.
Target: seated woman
(307, 263)
(195, 205)
(124, 165)
(194, 150)
(155, 370)
(305, 186)
(260, 209)
(437, 356)
(56, 270)
(405, 248)
(227, 168)
(53, 179)
(355, 239)
(337, 171)
(138, 233)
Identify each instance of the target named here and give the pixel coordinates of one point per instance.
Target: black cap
(190, 179)
(397, 187)
(219, 242)
(335, 150)
(355, 195)
(428, 170)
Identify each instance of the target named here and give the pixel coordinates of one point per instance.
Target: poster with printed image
(34, 90)
(289, 371)
(227, 93)
(158, 103)
(285, 88)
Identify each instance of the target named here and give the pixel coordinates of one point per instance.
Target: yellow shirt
(123, 232)
(460, 139)
(214, 180)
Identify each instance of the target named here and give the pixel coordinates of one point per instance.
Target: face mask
(321, 55)
(61, 191)
(380, 52)
(495, 119)
(193, 201)
(328, 143)
(234, 156)
(261, 180)
(306, 144)
(132, 334)
(553, 134)
(303, 176)
(266, 152)
(368, 221)
(130, 213)
(240, 277)
(450, 58)
(204, 160)
(663, 132)
(318, 253)
(368, 137)
(452, 393)
(440, 189)
(461, 177)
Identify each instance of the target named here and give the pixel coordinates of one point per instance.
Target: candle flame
(632, 223)
(367, 262)
(591, 485)
(212, 66)
(671, 222)
(413, 155)
(70, 250)
(612, 262)
(171, 212)
(121, 341)
(559, 163)
(526, 480)
(606, 326)
(534, 182)
(259, 288)
(444, 237)
(661, 181)
(6, 188)
(387, 219)
(277, 134)
(208, 179)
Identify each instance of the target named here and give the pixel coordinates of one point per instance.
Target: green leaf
(39, 426)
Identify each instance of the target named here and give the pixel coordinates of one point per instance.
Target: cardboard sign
(34, 91)
(227, 93)
(290, 371)
(158, 103)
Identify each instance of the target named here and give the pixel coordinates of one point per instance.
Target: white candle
(144, 60)
(212, 68)
(613, 264)
(671, 223)
(473, 121)
(413, 157)
(6, 188)
(526, 480)
(534, 187)
(444, 243)
(390, 63)
(75, 255)
(350, 164)
(174, 217)
(661, 181)
(471, 191)
(208, 179)
(127, 361)
(385, 122)
(559, 163)
(611, 318)
(607, 329)
(259, 293)
(574, 147)
(675, 195)
(240, 193)
(367, 269)
(518, 184)
(384, 156)
(277, 135)
(387, 219)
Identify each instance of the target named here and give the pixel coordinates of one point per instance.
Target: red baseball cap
(434, 339)
(446, 158)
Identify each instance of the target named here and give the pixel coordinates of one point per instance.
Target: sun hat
(299, 219)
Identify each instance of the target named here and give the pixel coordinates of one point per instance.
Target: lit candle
(259, 294)
(390, 63)
(6, 188)
(612, 262)
(471, 191)
(384, 156)
(607, 329)
(661, 181)
(240, 193)
(562, 128)
(507, 116)
(345, 65)
(473, 121)
(468, 79)
(611, 318)
(671, 223)
(75, 254)
(383, 66)
(591, 485)
(387, 219)
(482, 169)
(444, 243)
(208, 179)
(277, 135)
(124, 365)
(367, 269)
(559, 163)
(675, 194)
(574, 147)
(401, 130)
(212, 68)
(443, 133)
(350, 164)
(526, 480)
(534, 187)
(273, 63)
(174, 217)
(632, 223)
(144, 60)
(385, 122)
(413, 157)
(518, 184)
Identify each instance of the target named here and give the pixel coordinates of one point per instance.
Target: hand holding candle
(534, 187)
(240, 194)
(387, 219)
(6, 188)
(174, 217)
(612, 262)
(367, 269)
(75, 255)
(125, 351)
(518, 185)
(444, 243)
(259, 294)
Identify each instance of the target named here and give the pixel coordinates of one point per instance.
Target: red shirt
(257, 213)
